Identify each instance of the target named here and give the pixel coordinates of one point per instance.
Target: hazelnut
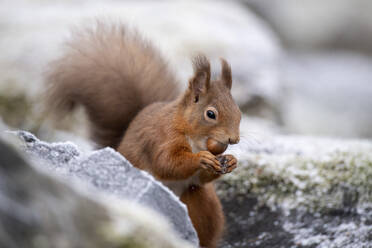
(215, 147)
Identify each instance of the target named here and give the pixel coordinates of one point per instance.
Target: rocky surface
(39, 210)
(288, 191)
(109, 172)
(295, 191)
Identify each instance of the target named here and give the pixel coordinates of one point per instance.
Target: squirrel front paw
(228, 162)
(209, 162)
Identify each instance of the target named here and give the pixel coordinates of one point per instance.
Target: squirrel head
(209, 109)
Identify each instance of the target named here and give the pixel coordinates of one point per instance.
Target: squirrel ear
(226, 73)
(199, 83)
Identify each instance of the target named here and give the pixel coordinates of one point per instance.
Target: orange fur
(129, 95)
(205, 211)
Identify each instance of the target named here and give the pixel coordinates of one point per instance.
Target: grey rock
(111, 173)
(252, 225)
(298, 191)
(27, 198)
(40, 211)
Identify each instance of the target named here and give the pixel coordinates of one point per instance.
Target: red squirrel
(134, 106)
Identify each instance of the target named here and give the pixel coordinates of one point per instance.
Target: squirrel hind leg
(206, 213)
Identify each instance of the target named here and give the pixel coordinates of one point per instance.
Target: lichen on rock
(313, 174)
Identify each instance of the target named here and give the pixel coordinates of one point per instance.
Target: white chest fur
(178, 187)
(197, 145)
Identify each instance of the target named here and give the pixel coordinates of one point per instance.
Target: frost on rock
(111, 173)
(303, 191)
(308, 173)
(332, 235)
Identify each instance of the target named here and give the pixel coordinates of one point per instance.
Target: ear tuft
(201, 64)
(199, 83)
(226, 73)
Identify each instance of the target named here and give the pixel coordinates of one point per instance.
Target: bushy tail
(113, 73)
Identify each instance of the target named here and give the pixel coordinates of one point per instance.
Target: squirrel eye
(211, 114)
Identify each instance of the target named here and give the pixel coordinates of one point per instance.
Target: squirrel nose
(234, 140)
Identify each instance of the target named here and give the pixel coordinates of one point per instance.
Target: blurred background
(301, 67)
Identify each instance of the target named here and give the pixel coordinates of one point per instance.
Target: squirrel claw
(210, 162)
(228, 163)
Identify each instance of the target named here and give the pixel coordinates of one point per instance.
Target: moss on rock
(314, 174)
